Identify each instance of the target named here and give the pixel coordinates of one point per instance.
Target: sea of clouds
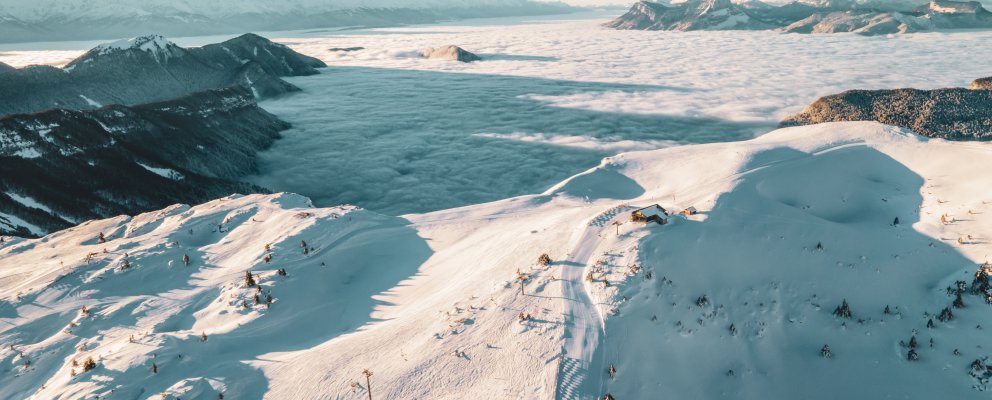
(390, 131)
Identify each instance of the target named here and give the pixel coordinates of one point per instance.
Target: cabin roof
(653, 209)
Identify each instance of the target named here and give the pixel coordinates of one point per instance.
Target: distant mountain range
(826, 16)
(136, 125)
(151, 68)
(53, 20)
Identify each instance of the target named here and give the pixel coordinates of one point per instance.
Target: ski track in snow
(583, 324)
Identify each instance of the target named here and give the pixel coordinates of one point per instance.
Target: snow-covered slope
(735, 301)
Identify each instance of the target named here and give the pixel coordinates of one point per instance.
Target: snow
(12, 143)
(90, 101)
(163, 172)
(554, 139)
(438, 314)
(156, 45)
(27, 201)
(11, 222)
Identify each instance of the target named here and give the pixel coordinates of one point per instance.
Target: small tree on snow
(958, 301)
(544, 260)
(186, 259)
(912, 355)
(844, 310)
(912, 342)
(825, 352)
(154, 368)
(89, 364)
(945, 315)
(249, 279)
(203, 337)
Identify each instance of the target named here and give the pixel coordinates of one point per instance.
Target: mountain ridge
(869, 18)
(151, 68)
(79, 165)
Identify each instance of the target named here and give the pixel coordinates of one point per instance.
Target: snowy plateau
(584, 213)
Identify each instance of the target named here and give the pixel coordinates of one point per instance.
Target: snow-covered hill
(735, 301)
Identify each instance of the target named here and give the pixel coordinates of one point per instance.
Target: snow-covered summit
(155, 44)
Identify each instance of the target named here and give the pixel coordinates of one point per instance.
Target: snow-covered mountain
(868, 18)
(62, 167)
(151, 68)
(831, 261)
(135, 125)
(44, 20)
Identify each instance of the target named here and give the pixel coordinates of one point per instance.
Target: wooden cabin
(652, 213)
(689, 211)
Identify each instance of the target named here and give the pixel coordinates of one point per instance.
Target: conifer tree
(844, 310)
(945, 315)
(958, 301)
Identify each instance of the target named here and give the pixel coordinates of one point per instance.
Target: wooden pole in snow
(368, 382)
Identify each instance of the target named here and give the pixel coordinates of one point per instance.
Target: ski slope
(789, 224)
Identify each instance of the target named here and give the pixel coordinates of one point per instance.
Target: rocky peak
(981, 84)
(954, 7)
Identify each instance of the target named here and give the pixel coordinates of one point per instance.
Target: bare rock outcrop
(950, 113)
(981, 84)
(449, 52)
